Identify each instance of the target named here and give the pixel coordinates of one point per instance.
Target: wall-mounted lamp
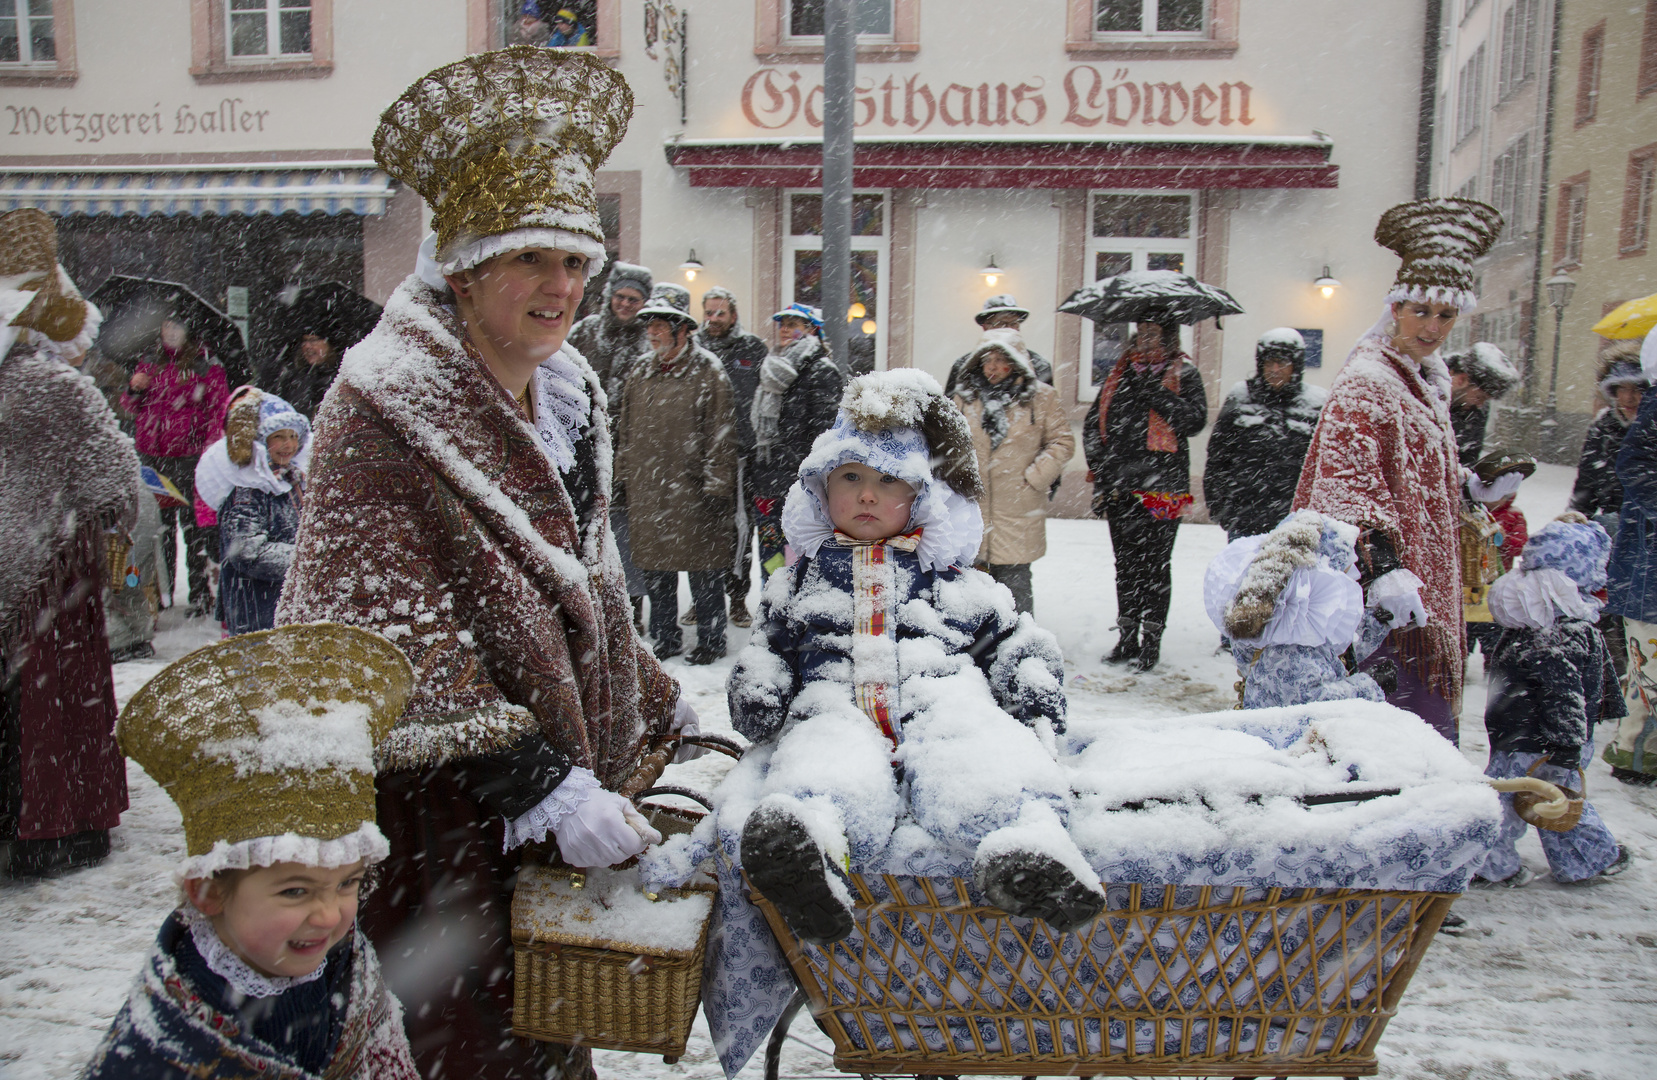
(1326, 284)
(856, 311)
(691, 266)
(992, 273)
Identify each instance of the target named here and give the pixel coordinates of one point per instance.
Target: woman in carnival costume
(459, 503)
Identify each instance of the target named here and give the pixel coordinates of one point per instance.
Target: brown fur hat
(1291, 546)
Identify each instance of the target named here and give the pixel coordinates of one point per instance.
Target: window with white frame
(871, 267)
(27, 33)
(1510, 186)
(1132, 230)
(1573, 213)
(871, 19)
(1637, 201)
(262, 29)
(1115, 19)
(1470, 95)
(1521, 26)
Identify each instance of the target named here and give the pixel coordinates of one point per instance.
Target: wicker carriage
(1169, 980)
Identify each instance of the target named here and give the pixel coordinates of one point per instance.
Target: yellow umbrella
(1634, 319)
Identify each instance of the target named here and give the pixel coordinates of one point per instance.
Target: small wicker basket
(579, 987)
(1525, 802)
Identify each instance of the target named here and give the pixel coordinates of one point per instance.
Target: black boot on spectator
(1127, 646)
(1150, 646)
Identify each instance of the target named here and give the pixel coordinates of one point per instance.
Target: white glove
(1495, 491)
(593, 827)
(1399, 594)
(686, 725)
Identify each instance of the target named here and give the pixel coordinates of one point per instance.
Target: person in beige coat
(1023, 441)
(676, 460)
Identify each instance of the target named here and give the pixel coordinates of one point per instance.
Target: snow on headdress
(900, 423)
(37, 298)
(503, 147)
(1438, 239)
(1292, 586)
(266, 743)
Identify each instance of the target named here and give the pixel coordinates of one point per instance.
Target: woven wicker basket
(1169, 980)
(1525, 802)
(600, 992)
(1481, 553)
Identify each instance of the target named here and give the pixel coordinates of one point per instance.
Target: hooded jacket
(1256, 449)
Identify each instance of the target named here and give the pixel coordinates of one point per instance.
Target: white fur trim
(367, 844)
(1463, 299)
(952, 524)
(432, 268)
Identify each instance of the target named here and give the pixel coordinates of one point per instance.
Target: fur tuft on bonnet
(908, 398)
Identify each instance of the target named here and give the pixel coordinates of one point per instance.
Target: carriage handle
(1557, 804)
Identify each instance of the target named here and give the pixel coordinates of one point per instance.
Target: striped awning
(302, 188)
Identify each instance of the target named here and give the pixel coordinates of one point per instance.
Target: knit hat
(900, 423)
(812, 315)
(670, 301)
(999, 303)
(37, 298)
(1438, 239)
(1486, 367)
(266, 743)
(1283, 343)
(503, 146)
(626, 275)
(1007, 341)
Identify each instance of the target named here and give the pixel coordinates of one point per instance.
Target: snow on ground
(1547, 981)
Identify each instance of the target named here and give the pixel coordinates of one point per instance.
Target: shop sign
(230, 116)
(1086, 98)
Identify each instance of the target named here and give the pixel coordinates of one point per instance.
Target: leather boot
(1127, 646)
(1150, 646)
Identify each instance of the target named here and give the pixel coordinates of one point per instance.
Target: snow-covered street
(1545, 981)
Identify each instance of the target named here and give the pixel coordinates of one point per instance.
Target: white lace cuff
(542, 818)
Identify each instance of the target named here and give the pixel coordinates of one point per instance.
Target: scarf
(874, 645)
(996, 397)
(1159, 435)
(776, 378)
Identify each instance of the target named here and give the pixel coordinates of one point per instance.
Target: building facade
(224, 143)
(1600, 180)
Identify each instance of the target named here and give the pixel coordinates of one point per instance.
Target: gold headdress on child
(29, 264)
(266, 743)
(507, 141)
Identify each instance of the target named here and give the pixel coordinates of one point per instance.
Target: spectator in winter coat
(1136, 440)
(1551, 681)
(1633, 586)
(70, 477)
(609, 341)
(307, 376)
(1597, 492)
(1291, 607)
(1478, 376)
(1000, 312)
(799, 390)
(676, 463)
(177, 396)
(259, 514)
(742, 354)
(1260, 438)
(1021, 437)
(881, 637)
(1384, 456)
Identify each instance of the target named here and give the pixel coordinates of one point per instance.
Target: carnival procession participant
(676, 463)
(459, 504)
(1384, 456)
(70, 475)
(798, 395)
(261, 968)
(1136, 438)
(743, 354)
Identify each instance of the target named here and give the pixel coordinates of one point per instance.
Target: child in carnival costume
(1551, 681)
(881, 648)
(1292, 607)
(266, 742)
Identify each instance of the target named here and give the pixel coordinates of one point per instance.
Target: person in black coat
(1138, 454)
(742, 354)
(1478, 376)
(1260, 439)
(305, 379)
(798, 396)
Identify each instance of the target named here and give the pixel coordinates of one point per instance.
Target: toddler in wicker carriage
(897, 684)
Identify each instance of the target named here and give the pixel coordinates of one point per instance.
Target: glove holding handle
(1396, 598)
(1495, 491)
(593, 827)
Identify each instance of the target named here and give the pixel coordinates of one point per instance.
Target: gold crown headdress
(29, 263)
(1438, 239)
(266, 743)
(507, 140)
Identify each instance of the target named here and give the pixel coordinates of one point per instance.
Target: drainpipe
(1429, 100)
(839, 76)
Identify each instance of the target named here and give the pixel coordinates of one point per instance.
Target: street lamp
(1560, 288)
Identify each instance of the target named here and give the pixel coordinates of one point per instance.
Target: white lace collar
(562, 408)
(232, 968)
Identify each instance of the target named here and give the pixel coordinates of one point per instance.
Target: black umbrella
(330, 310)
(134, 309)
(1150, 296)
